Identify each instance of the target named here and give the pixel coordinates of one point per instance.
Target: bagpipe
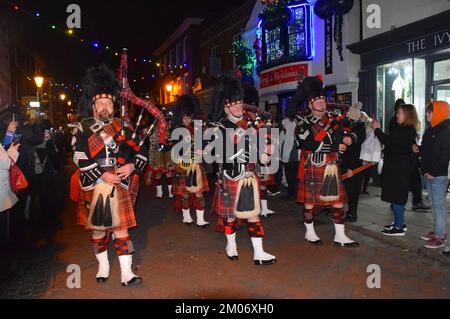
(129, 146)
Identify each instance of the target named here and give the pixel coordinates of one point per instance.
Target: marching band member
(108, 166)
(237, 193)
(190, 180)
(160, 163)
(323, 137)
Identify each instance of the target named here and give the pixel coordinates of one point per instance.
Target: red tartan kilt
(311, 187)
(127, 200)
(179, 183)
(267, 180)
(223, 210)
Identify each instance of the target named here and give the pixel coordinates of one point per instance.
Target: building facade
(292, 42)
(178, 62)
(6, 49)
(407, 57)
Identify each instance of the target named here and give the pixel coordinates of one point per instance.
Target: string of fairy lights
(72, 33)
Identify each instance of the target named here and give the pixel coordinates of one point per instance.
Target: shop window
(273, 43)
(442, 92)
(441, 70)
(394, 81)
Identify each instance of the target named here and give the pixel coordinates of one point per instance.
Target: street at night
(218, 158)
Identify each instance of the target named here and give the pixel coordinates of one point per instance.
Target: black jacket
(351, 157)
(398, 163)
(435, 150)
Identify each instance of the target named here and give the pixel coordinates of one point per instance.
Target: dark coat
(351, 157)
(435, 150)
(398, 163)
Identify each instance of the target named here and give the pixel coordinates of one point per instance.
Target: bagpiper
(323, 137)
(160, 162)
(237, 195)
(190, 181)
(109, 164)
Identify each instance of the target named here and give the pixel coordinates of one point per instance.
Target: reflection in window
(297, 33)
(394, 81)
(274, 51)
(441, 70)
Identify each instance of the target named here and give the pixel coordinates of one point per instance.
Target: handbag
(17, 180)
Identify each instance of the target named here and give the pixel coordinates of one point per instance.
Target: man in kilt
(108, 170)
(190, 180)
(323, 138)
(237, 192)
(160, 163)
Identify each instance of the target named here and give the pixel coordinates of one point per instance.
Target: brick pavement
(179, 262)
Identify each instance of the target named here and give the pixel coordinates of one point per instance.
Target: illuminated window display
(394, 81)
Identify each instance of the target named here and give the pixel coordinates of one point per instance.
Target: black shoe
(446, 252)
(421, 207)
(273, 192)
(389, 227)
(353, 244)
(203, 226)
(394, 232)
(233, 258)
(265, 262)
(101, 279)
(133, 282)
(189, 224)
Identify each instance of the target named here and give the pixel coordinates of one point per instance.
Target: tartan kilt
(127, 200)
(267, 180)
(312, 184)
(179, 182)
(227, 211)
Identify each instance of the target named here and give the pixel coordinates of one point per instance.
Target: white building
(406, 55)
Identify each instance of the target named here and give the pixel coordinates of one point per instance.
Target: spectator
(8, 128)
(351, 160)
(416, 177)
(290, 152)
(435, 154)
(398, 164)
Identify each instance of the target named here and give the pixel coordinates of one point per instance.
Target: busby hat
(186, 105)
(99, 82)
(227, 91)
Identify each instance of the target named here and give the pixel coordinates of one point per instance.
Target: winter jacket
(435, 149)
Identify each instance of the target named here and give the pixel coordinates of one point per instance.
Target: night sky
(138, 25)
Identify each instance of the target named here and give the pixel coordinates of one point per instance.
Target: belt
(106, 162)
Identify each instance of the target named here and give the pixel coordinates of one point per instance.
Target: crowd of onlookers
(38, 150)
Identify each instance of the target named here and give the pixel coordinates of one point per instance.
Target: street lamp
(39, 80)
(62, 96)
(69, 103)
(169, 88)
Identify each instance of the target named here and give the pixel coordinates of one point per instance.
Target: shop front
(411, 63)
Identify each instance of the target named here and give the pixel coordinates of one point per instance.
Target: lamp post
(39, 80)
